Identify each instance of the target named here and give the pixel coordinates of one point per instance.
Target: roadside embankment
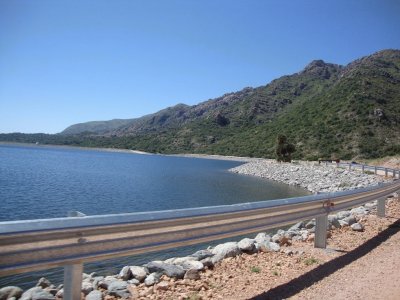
(316, 178)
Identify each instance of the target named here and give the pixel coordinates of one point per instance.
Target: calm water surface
(47, 182)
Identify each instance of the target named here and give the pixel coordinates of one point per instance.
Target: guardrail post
(320, 231)
(362, 168)
(375, 170)
(386, 172)
(73, 273)
(380, 208)
(349, 166)
(73, 281)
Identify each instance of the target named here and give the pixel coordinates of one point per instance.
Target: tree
(284, 149)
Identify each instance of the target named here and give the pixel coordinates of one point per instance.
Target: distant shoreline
(117, 150)
(75, 147)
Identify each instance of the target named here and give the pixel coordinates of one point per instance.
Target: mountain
(97, 127)
(326, 110)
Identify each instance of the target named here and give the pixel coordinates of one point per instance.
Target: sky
(66, 62)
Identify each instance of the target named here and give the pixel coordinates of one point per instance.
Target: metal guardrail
(41, 244)
(375, 169)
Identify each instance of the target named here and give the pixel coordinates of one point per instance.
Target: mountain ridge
(325, 109)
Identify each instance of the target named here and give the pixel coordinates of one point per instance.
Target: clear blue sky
(66, 62)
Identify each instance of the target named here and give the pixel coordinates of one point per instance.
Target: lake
(47, 182)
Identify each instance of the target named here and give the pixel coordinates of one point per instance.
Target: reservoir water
(47, 182)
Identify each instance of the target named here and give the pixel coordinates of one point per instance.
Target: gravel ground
(356, 265)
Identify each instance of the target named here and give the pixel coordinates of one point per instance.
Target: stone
(42, 295)
(187, 265)
(87, 287)
(303, 235)
(105, 282)
(180, 260)
(269, 247)
(262, 237)
(188, 262)
(192, 274)
(202, 254)
(162, 286)
(43, 283)
(370, 205)
(350, 220)
(125, 273)
(284, 240)
(343, 223)
(60, 293)
(95, 295)
(297, 226)
(290, 234)
(138, 273)
(96, 281)
(86, 276)
(276, 238)
(52, 291)
(311, 237)
(310, 224)
(247, 245)
(152, 279)
(229, 249)
(167, 269)
(9, 292)
(119, 289)
(207, 262)
(280, 232)
(361, 210)
(334, 221)
(357, 227)
(343, 214)
(27, 295)
(133, 281)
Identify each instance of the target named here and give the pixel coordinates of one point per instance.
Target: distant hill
(326, 110)
(97, 127)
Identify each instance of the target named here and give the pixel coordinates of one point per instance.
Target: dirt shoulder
(374, 275)
(356, 265)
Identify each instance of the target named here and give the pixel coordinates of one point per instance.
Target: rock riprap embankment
(312, 176)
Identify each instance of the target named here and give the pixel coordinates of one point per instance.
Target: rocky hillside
(250, 105)
(326, 110)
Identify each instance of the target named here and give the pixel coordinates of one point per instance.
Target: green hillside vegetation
(326, 110)
(97, 127)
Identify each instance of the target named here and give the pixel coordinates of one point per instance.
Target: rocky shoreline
(316, 178)
(166, 279)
